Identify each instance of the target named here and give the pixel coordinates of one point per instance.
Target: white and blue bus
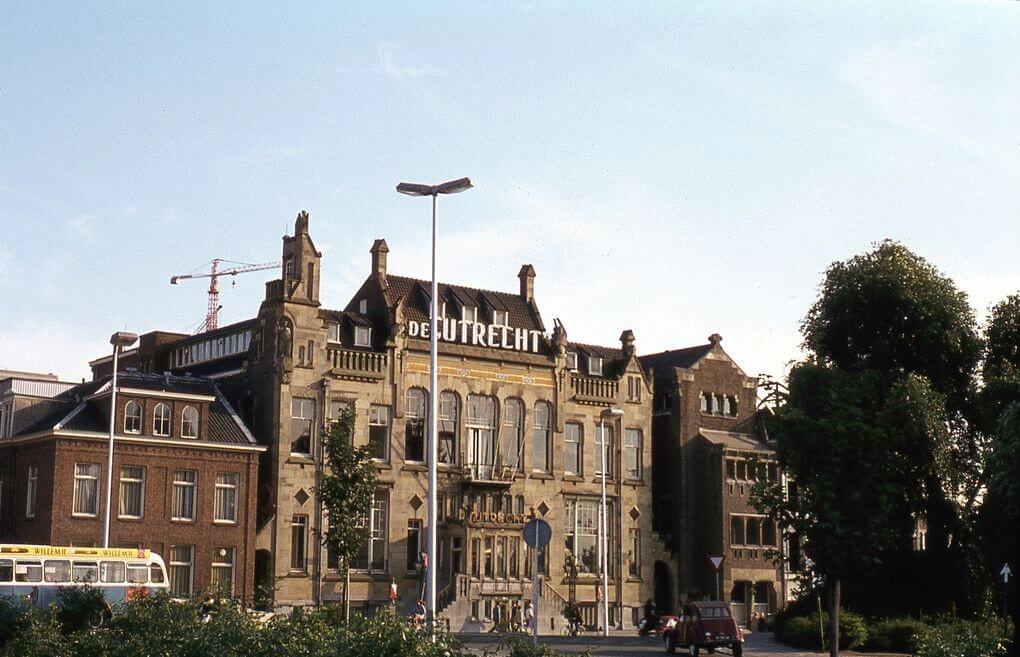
(35, 573)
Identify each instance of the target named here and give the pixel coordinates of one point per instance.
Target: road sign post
(537, 534)
(717, 564)
(1006, 574)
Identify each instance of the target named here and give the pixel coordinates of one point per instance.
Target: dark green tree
(847, 505)
(889, 309)
(345, 490)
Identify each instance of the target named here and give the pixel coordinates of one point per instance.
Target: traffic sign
(1005, 572)
(716, 560)
(537, 533)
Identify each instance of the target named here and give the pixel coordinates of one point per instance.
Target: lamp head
(612, 412)
(450, 187)
(123, 339)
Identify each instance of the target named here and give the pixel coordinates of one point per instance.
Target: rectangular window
(499, 318)
(633, 444)
(362, 336)
(32, 491)
(225, 501)
(469, 314)
(223, 570)
(302, 413)
(513, 549)
(604, 443)
(718, 408)
(414, 544)
(299, 543)
(86, 490)
(373, 553)
(489, 546)
(571, 360)
(476, 557)
(333, 333)
(501, 556)
(185, 484)
(706, 402)
(542, 436)
(754, 531)
(731, 469)
(379, 432)
(572, 449)
(182, 564)
(414, 426)
(449, 417)
(132, 491)
(737, 530)
(581, 532)
(595, 365)
(634, 553)
(634, 386)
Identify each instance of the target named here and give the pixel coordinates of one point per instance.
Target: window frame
(546, 437)
(374, 422)
(131, 481)
(571, 360)
(223, 486)
(596, 365)
(32, 491)
(185, 421)
(74, 492)
(362, 336)
(173, 564)
(301, 405)
(578, 443)
(637, 451)
(136, 418)
(218, 564)
(182, 485)
(299, 543)
(162, 422)
(413, 422)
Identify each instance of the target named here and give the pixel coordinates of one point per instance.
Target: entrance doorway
(663, 588)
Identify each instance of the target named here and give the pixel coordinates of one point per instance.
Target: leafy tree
(891, 310)
(1002, 507)
(848, 505)
(346, 491)
(1002, 350)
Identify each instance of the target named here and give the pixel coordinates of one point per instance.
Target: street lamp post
(119, 340)
(415, 189)
(604, 517)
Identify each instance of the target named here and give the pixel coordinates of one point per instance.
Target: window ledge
(573, 477)
(382, 464)
(225, 523)
(183, 521)
(634, 482)
(303, 459)
(631, 578)
(541, 475)
(297, 574)
(414, 466)
(130, 518)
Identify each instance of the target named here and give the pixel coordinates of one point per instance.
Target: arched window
(132, 417)
(481, 423)
(542, 436)
(414, 425)
(161, 420)
(513, 434)
(189, 422)
(449, 418)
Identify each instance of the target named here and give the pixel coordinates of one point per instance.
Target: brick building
(184, 469)
(706, 424)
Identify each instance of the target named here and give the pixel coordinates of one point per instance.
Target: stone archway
(663, 588)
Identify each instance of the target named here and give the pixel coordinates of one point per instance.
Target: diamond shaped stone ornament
(415, 502)
(301, 496)
(635, 513)
(543, 508)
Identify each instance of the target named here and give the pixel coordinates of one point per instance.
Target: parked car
(704, 626)
(656, 625)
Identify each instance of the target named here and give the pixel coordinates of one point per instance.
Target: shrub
(959, 638)
(80, 607)
(40, 637)
(14, 618)
(802, 631)
(894, 635)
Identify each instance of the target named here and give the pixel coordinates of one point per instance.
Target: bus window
(28, 571)
(155, 573)
(6, 570)
(85, 571)
(137, 573)
(111, 572)
(58, 570)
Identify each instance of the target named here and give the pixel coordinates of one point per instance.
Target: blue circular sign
(537, 533)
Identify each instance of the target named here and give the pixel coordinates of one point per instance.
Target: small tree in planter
(345, 491)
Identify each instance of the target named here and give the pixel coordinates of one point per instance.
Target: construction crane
(214, 274)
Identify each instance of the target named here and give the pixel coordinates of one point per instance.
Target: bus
(35, 573)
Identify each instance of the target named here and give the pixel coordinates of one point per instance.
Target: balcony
(594, 391)
(489, 474)
(357, 365)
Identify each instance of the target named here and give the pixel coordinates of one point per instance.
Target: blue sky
(675, 169)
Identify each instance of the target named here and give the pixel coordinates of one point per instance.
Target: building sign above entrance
(476, 334)
(497, 518)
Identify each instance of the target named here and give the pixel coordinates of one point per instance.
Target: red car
(704, 625)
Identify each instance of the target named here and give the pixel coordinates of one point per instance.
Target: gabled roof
(614, 361)
(76, 410)
(685, 357)
(415, 293)
(735, 440)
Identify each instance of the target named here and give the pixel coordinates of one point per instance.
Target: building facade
(707, 425)
(184, 469)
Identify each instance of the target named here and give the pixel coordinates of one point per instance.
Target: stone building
(706, 424)
(184, 474)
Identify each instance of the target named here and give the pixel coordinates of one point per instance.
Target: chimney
(527, 276)
(379, 251)
(714, 339)
(627, 342)
(301, 225)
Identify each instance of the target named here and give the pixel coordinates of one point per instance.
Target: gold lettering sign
(498, 518)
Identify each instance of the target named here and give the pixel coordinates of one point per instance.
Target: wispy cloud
(84, 225)
(399, 70)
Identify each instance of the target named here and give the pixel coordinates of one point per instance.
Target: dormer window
(500, 318)
(595, 365)
(363, 306)
(333, 333)
(469, 313)
(362, 336)
(571, 360)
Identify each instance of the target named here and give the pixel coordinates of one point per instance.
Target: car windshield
(715, 612)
